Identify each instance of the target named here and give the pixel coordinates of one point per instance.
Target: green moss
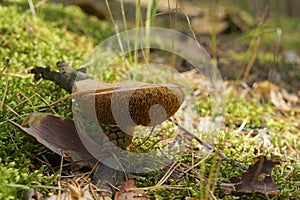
(286, 176)
(239, 147)
(13, 176)
(238, 110)
(60, 33)
(57, 33)
(278, 125)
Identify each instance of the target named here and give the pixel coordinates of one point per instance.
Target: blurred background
(251, 40)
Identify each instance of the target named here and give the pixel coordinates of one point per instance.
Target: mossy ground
(27, 41)
(65, 33)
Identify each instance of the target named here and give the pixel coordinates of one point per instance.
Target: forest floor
(252, 154)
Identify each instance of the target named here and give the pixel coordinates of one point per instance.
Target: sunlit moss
(29, 41)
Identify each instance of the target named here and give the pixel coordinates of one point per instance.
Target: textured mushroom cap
(128, 104)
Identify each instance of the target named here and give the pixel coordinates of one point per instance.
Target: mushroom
(136, 97)
(127, 104)
(121, 106)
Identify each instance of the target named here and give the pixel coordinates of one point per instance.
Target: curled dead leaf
(280, 98)
(264, 89)
(293, 99)
(258, 178)
(34, 118)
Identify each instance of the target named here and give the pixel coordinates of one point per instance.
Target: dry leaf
(256, 178)
(34, 118)
(263, 89)
(291, 98)
(126, 194)
(280, 98)
(58, 134)
(279, 102)
(73, 191)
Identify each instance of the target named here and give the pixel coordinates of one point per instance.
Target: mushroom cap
(128, 103)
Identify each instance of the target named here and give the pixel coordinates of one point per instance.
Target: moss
(283, 136)
(30, 41)
(287, 179)
(238, 110)
(60, 33)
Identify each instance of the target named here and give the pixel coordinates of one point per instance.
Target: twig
(59, 178)
(168, 174)
(65, 78)
(143, 142)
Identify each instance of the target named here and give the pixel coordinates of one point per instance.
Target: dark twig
(145, 140)
(65, 78)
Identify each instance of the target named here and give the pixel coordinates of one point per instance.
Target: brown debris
(127, 192)
(256, 178)
(280, 98)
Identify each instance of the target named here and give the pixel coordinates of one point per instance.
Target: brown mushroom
(136, 103)
(125, 104)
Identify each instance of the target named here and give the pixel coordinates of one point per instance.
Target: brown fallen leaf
(280, 98)
(256, 178)
(264, 89)
(127, 194)
(292, 99)
(57, 133)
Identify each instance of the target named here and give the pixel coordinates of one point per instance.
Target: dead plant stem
(252, 58)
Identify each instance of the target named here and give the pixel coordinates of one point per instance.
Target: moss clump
(14, 179)
(29, 41)
(239, 109)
